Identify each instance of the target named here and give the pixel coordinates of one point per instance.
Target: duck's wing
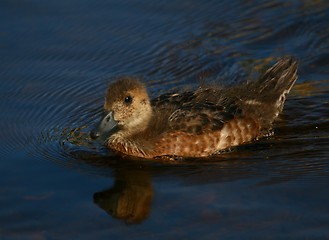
(199, 118)
(196, 112)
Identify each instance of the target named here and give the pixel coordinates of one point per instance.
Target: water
(57, 57)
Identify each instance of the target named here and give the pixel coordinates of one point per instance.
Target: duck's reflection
(130, 198)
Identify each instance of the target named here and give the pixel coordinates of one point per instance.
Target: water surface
(57, 58)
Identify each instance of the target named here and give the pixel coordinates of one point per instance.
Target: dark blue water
(57, 58)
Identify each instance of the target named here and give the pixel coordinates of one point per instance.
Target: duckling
(197, 123)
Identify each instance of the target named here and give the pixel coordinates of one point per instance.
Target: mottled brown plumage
(193, 124)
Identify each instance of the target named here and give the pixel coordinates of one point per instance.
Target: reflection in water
(130, 198)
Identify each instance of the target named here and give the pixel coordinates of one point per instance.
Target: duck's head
(127, 109)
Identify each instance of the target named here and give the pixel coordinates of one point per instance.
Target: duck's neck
(139, 123)
(124, 140)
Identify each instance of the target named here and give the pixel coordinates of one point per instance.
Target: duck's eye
(128, 100)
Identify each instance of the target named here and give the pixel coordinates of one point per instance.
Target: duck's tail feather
(276, 82)
(279, 78)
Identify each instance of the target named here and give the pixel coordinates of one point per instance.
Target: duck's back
(200, 123)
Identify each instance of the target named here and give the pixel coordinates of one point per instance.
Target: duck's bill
(104, 128)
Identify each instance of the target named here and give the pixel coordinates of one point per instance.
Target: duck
(193, 124)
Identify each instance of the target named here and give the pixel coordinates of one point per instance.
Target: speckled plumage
(196, 124)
